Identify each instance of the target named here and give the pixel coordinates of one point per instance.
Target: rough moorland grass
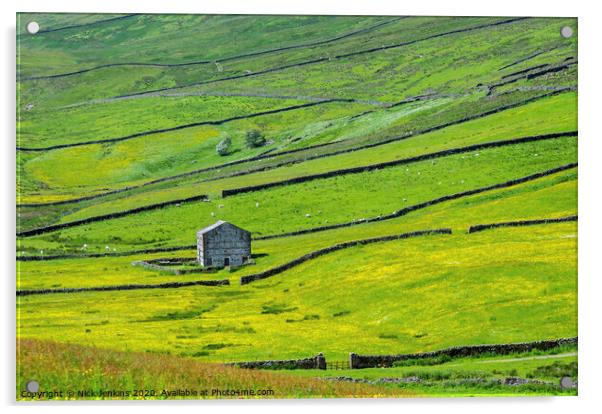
(183, 39)
(63, 367)
(506, 285)
(449, 64)
(54, 21)
(434, 82)
(317, 203)
(559, 193)
(76, 89)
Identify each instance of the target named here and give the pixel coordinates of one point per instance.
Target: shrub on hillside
(223, 148)
(255, 139)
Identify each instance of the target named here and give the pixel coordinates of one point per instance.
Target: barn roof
(216, 225)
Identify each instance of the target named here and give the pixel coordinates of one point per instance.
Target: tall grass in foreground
(73, 368)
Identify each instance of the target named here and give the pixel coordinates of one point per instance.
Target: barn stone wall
(224, 242)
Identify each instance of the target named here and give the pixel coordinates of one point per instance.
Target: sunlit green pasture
(121, 118)
(503, 285)
(544, 116)
(318, 203)
(53, 21)
(516, 203)
(514, 123)
(159, 155)
(402, 296)
(449, 63)
(140, 160)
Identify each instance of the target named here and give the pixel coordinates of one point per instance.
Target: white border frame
(589, 224)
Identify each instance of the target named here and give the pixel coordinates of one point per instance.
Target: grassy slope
(176, 39)
(102, 121)
(138, 161)
(54, 21)
(157, 155)
(403, 296)
(422, 299)
(75, 89)
(451, 378)
(449, 64)
(509, 124)
(276, 210)
(71, 367)
(516, 203)
(539, 32)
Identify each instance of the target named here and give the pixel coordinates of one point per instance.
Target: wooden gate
(337, 364)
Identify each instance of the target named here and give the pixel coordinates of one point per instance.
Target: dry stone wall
(372, 167)
(520, 223)
(370, 361)
(316, 253)
(316, 362)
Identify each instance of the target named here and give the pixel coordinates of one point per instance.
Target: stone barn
(223, 244)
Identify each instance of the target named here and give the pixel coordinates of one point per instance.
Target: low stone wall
(317, 362)
(54, 227)
(160, 265)
(316, 253)
(169, 285)
(520, 223)
(370, 361)
(426, 204)
(372, 167)
(527, 74)
(112, 254)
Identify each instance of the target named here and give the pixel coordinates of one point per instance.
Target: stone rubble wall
(372, 167)
(520, 223)
(169, 285)
(316, 253)
(93, 219)
(370, 361)
(316, 362)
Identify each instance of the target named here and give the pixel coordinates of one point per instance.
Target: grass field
(468, 377)
(150, 376)
(121, 112)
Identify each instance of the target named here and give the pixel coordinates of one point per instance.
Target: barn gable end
(223, 244)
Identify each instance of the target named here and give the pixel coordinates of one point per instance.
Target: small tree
(223, 148)
(254, 139)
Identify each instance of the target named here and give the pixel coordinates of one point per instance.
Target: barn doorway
(226, 261)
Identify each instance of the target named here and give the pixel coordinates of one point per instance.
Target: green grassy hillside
(344, 302)
(475, 117)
